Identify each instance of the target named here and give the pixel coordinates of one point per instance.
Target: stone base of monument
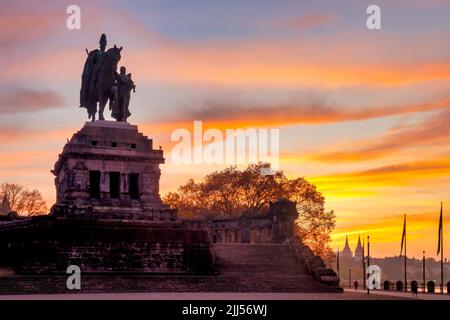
(109, 221)
(108, 215)
(240, 268)
(48, 245)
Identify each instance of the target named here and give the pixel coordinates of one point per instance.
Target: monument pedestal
(48, 245)
(109, 216)
(109, 169)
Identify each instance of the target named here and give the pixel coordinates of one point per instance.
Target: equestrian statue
(101, 83)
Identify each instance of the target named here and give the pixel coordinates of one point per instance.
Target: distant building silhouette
(346, 252)
(359, 250)
(392, 268)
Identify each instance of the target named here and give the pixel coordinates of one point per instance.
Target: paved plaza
(210, 296)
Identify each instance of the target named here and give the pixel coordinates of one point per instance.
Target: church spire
(359, 251)
(347, 251)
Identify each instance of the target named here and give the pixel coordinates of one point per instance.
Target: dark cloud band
(28, 100)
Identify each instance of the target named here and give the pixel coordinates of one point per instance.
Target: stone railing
(302, 252)
(314, 264)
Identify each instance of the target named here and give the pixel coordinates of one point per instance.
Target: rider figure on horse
(100, 82)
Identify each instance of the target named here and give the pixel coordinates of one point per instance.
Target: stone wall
(50, 245)
(274, 226)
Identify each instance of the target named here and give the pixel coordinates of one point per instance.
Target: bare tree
(23, 201)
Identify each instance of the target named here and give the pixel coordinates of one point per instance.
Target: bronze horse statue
(99, 81)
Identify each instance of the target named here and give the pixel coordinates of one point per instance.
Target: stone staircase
(241, 268)
(264, 268)
(256, 259)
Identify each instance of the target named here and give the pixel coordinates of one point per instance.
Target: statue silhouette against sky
(101, 83)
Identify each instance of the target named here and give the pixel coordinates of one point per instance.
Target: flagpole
(442, 253)
(364, 265)
(406, 283)
(338, 263)
(368, 261)
(441, 248)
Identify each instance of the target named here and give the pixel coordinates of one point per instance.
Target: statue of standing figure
(120, 110)
(100, 82)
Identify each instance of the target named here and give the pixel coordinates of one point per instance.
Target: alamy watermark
(373, 21)
(373, 277)
(236, 146)
(74, 280)
(73, 21)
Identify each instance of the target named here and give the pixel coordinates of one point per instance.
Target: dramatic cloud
(8, 133)
(273, 64)
(432, 131)
(313, 112)
(375, 181)
(20, 26)
(28, 100)
(32, 136)
(328, 61)
(256, 61)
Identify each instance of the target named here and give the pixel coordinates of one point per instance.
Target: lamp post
(338, 263)
(349, 277)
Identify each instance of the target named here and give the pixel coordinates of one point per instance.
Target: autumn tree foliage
(22, 200)
(231, 192)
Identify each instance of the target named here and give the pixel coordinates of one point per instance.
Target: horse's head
(114, 55)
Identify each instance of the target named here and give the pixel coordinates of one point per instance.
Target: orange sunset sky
(365, 115)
